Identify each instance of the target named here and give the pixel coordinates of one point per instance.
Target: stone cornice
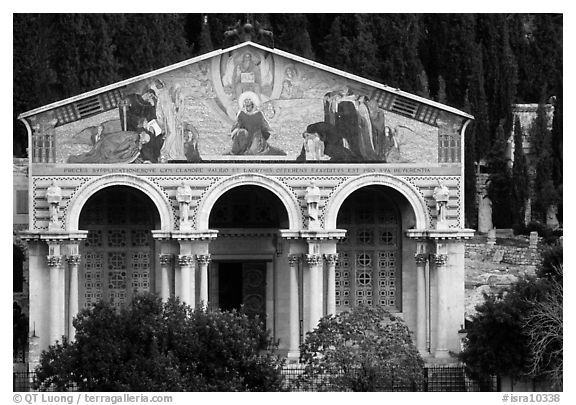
(319, 235)
(440, 234)
(207, 234)
(54, 236)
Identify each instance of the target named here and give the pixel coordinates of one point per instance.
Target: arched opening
(369, 268)
(247, 218)
(118, 257)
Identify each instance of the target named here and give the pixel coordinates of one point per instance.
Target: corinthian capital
(165, 259)
(313, 259)
(293, 260)
(203, 259)
(54, 261)
(331, 258)
(439, 260)
(73, 260)
(421, 258)
(185, 260)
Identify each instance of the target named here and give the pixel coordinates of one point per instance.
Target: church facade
(249, 177)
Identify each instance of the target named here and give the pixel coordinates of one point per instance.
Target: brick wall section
(522, 256)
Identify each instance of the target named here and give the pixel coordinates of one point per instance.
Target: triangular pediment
(195, 110)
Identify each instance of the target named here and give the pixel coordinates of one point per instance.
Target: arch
(406, 189)
(89, 189)
(280, 190)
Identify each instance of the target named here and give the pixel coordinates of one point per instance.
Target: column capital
(439, 259)
(54, 261)
(185, 260)
(421, 258)
(165, 259)
(73, 260)
(313, 259)
(293, 260)
(203, 259)
(331, 258)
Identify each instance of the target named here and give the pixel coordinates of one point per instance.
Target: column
(165, 267)
(294, 335)
(440, 261)
(331, 260)
(73, 263)
(203, 261)
(55, 316)
(187, 288)
(314, 262)
(421, 315)
(270, 296)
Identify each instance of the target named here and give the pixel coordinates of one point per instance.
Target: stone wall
(519, 256)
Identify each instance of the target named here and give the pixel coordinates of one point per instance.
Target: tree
(496, 343)
(151, 346)
(366, 349)
(520, 184)
(546, 194)
(544, 327)
(519, 331)
(500, 186)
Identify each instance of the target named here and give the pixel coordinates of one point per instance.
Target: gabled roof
(275, 51)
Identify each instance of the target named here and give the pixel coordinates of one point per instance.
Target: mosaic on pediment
(246, 105)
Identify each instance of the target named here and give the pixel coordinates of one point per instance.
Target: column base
(293, 356)
(442, 354)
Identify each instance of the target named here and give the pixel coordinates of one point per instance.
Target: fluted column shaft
(55, 315)
(440, 261)
(421, 324)
(165, 267)
(314, 262)
(203, 261)
(187, 288)
(331, 260)
(294, 334)
(73, 263)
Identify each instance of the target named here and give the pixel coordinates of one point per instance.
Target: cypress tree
(519, 177)
(291, 34)
(205, 40)
(545, 191)
(500, 186)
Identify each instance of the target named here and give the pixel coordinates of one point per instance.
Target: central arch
(280, 190)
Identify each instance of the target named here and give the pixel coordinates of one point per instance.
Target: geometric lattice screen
(368, 268)
(118, 253)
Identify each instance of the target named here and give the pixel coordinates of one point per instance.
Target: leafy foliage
(151, 346)
(366, 349)
(518, 332)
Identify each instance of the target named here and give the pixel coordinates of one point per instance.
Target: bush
(518, 332)
(551, 265)
(151, 346)
(366, 349)
(548, 235)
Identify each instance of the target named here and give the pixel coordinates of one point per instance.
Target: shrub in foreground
(155, 346)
